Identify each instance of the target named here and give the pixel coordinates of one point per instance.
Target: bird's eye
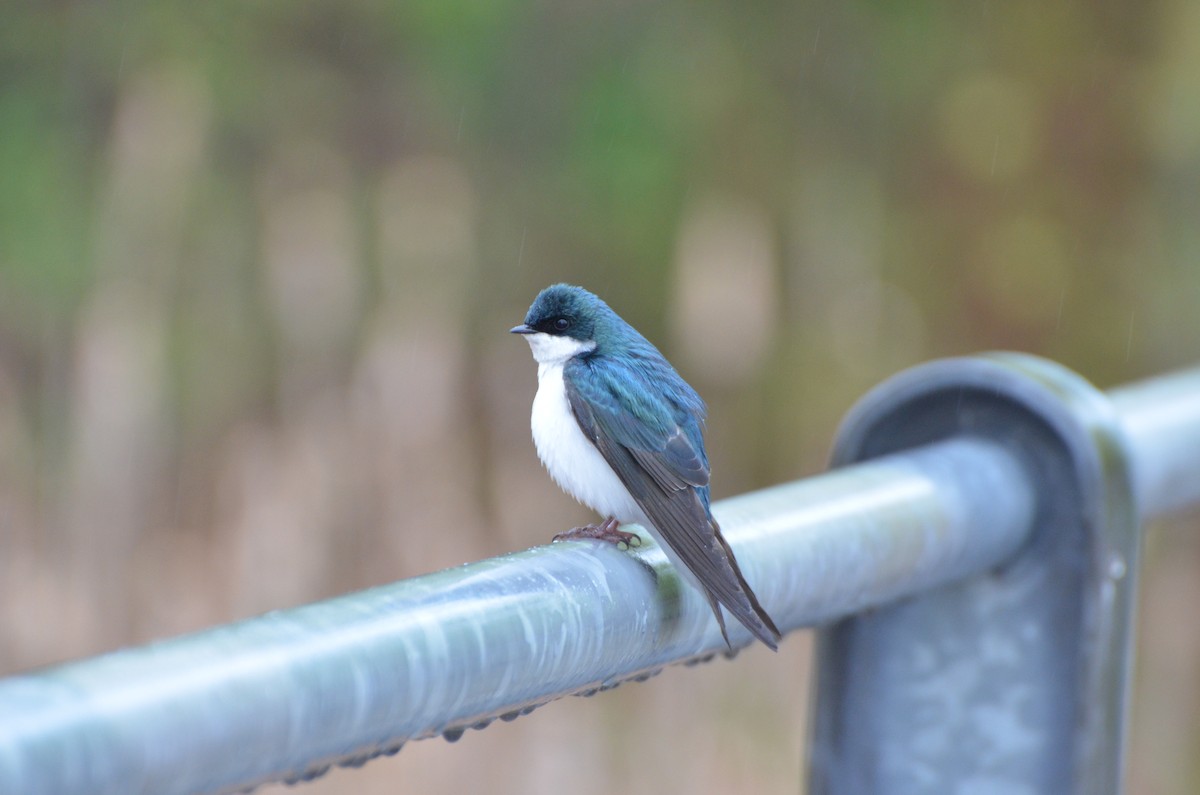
(561, 324)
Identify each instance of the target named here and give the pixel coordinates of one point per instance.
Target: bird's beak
(521, 329)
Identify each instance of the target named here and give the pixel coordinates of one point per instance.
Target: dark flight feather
(657, 451)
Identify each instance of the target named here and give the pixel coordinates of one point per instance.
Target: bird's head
(564, 322)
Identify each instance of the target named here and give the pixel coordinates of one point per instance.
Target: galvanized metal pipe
(285, 695)
(291, 692)
(1161, 419)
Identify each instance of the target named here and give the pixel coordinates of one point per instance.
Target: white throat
(550, 350)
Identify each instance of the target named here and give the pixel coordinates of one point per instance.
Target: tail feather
(746, 610)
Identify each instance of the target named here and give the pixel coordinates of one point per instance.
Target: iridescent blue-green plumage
(647, 423)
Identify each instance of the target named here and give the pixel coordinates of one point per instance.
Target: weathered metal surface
(285, 695)
(1013, 681)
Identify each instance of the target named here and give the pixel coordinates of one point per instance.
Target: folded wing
(657, 451)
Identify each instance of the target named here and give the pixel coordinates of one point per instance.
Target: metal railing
(1000, 494)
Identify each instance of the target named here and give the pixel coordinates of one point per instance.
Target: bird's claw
(607, 530)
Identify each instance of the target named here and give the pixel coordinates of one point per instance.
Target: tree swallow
(620, 431)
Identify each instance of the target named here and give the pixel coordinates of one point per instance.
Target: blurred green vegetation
(257, 261)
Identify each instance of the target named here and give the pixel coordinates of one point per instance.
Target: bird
(620, 430)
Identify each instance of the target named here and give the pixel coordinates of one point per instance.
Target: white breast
(570, 457)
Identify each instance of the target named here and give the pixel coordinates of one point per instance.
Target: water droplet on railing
(292, 779)
(358, 760)
(1116, 567)
(642, 677)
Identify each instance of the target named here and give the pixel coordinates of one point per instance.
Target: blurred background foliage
(257, 261)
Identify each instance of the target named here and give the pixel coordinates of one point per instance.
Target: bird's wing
(665, 471)
(614, 412)
(607, 403)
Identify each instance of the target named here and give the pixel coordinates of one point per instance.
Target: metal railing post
(1013, 680)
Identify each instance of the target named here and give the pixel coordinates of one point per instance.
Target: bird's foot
(608, 530)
